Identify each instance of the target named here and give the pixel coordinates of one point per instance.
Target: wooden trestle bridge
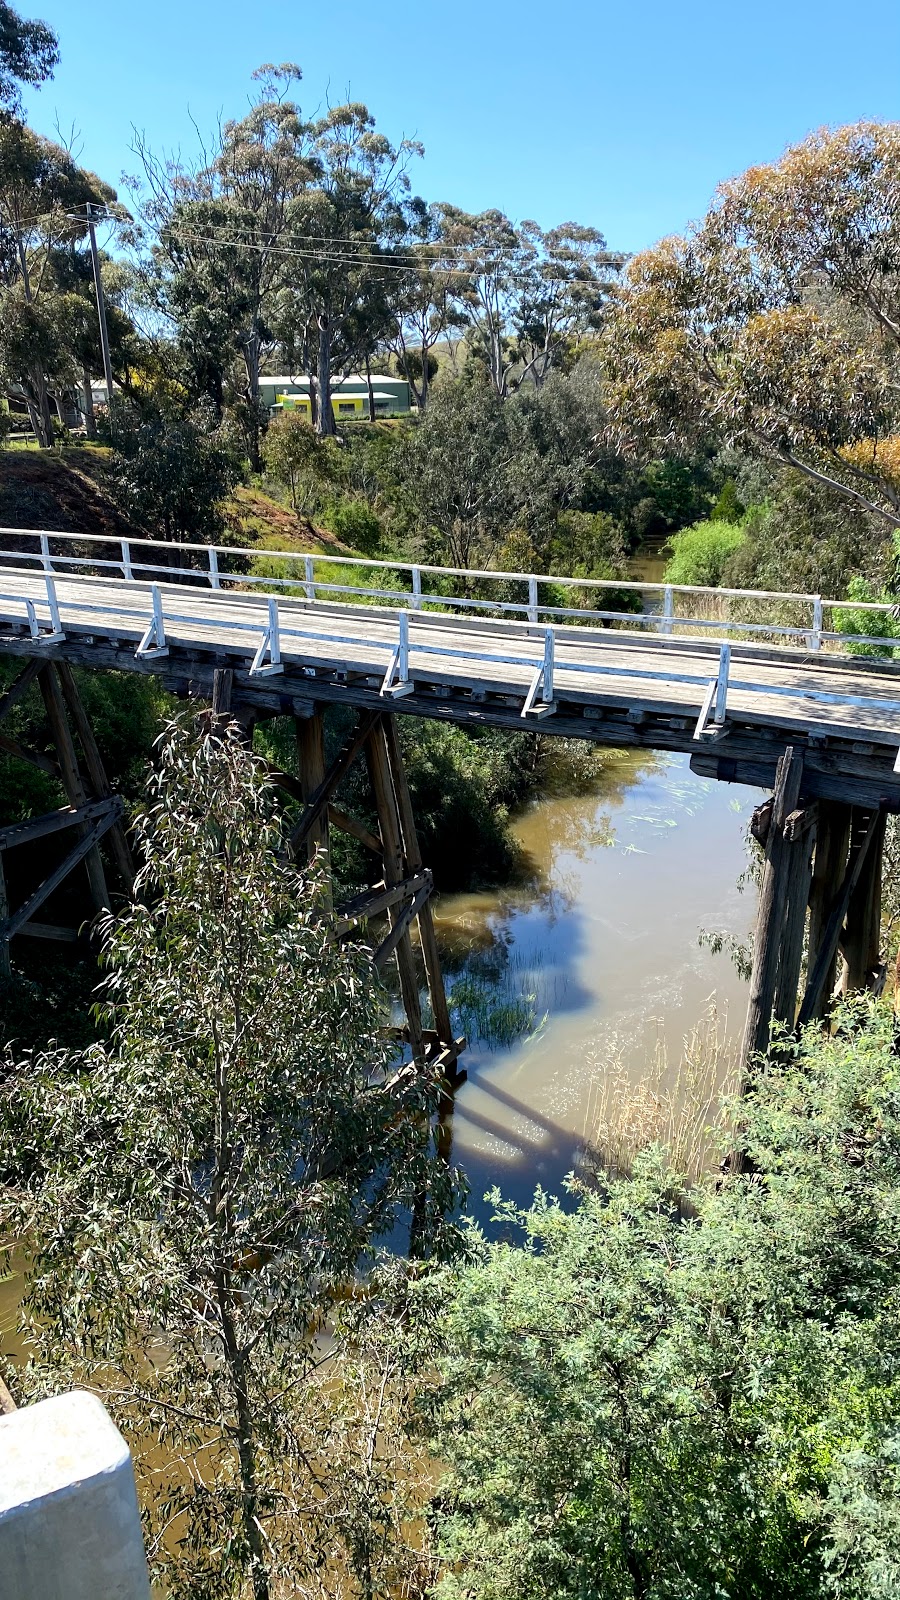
(758, 687)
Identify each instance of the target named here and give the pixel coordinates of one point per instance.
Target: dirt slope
(66, 490)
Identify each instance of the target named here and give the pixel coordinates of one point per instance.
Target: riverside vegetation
(659, 1392)
(661, 1385)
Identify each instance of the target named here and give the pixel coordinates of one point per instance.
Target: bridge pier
(404, 888)
(93, 813)
(824, 858)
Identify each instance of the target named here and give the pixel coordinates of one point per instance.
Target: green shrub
(639, 1399)
(700, 554)
(355, 524)
(728, 507)
(870, 624)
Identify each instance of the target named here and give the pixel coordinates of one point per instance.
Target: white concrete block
(69, 1522)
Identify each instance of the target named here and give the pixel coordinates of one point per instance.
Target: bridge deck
(614, 686)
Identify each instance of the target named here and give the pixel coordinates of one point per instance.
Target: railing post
(127, 572)
(417, 588)
(668, 611)
(274, 635)
(548, 665)
(815, 640)
(403, 649)
(213, 567)
(53, 607)
(31, 614)
(310, 583)
(46, 561)
(722, 684)
(532, 599)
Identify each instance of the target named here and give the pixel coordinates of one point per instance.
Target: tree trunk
(371, 391)
(325, 424)
(251, 356)
(38, 399)
(90, 426)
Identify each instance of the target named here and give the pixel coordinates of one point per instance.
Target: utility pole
(101, 305)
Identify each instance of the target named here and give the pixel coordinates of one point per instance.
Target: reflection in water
(602, 954)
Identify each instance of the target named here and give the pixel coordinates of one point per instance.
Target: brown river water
(598, 960)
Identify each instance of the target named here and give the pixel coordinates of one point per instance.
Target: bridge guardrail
(207, 565)
(152, 610)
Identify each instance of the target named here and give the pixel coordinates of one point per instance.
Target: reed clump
(683, 1109)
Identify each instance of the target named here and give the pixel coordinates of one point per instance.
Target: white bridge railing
(207, 565)
(153, 594)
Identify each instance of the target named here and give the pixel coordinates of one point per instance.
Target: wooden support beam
(55, 821)
(389, 826)
(49, 930)
(832, 932)
(829, 864)
(797, 877)
(223, 689)
(405, 916)
(430, 953)
(338, 769)
(801, 821)
(373, 902)
(34, 758)
(772, 910)
(347, 824)
(96, 772)
(20, 686)
(88, 842)
(846, 788)
(72, 779)
(862, 935)
(310, 736)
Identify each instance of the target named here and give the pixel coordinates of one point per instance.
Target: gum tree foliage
(170, 470)
(775, 323)
(29, 51)
(454, 472)
(477, 467)
(635, 1403)
(424, 312)
(295, 457)
(350, 220)
(221, 231)
(42, 191)
(205, 1196)
(276, 239)
(524, 296)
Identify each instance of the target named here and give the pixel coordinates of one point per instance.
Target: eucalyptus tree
(774, 324)
(567, 277)
(489, 257)
(206, 1196)
(351, 221)
(29, 51)
(456, 474)
(526, 296)
(647, 1405)
(425, 311)
(43, 195)
(222, 242)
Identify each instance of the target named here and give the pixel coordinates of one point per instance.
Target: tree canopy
(775, 323)
(202, 1193)
(29, 51)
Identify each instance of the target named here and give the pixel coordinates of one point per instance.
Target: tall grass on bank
(683, 1111)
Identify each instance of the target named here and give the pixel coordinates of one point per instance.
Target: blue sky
(620, 115)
